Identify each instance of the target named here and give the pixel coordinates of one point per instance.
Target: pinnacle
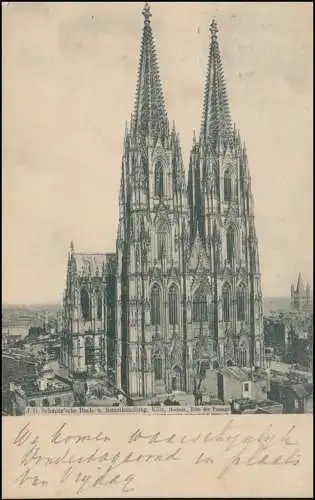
(216, 115)
(150, 114)
(213, 29)
(299, 282)
(146, 13)
(194, 137)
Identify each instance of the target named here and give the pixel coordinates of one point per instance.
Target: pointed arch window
(211, 316)
(227, 186)
(255, 263)
(161, 244)
(226, 303)
(236, 191)
(130, 360)
(99, 306)
(85, 304)
(155, 306)
(172, 304)
(230, 244)
(242, 356)
(158, 368)
(158, 180)
(240, 303)
(89, 351)
(102, 351)
(144, 358)
(200, 306)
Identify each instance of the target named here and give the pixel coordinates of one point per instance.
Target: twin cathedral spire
(149, 124)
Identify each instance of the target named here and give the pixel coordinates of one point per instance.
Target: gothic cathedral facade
(182, 294)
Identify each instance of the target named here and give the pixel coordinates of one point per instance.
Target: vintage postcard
(157, 316)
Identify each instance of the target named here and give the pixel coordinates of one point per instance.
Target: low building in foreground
(296, 396)
(250, 406)
(233, 382)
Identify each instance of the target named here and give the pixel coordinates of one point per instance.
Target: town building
(288, 338)
(15, 330)
(182, 294)
(276, 334)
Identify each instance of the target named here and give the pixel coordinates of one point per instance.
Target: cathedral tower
(153, 234)
(222, 219)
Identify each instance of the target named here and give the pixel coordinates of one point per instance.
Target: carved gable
(173, 274)
(198, 260)
(159, 151)
(155, 274)
(161, 220)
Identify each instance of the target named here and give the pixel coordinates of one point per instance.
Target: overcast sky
(69, 80)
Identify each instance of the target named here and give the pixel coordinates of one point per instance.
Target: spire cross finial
(213, 29)
(147, 13)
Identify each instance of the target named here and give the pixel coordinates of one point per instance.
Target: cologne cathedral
(182, 293)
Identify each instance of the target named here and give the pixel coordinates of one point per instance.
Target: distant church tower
(222, 217)
(188, 279)
(301, 296)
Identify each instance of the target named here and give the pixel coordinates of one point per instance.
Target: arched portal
(157, 365)
(176, 379)
(89, 352)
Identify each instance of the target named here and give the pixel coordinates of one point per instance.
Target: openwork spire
(150, 119)
(216, 122)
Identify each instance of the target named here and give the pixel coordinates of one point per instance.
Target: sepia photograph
(157, 208)
(157, 269)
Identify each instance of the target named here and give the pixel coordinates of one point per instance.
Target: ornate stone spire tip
(213, 28)
(146, 13)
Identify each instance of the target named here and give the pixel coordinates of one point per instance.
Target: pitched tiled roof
(302, 390)
(236, 372)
